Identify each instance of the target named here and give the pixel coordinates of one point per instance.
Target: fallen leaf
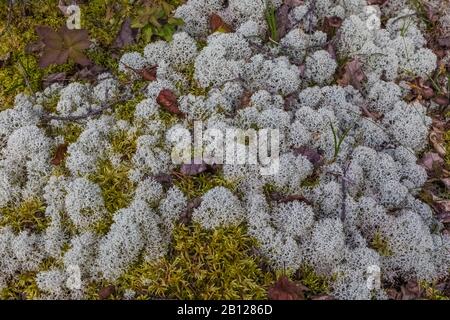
(437, 140)
(148, 74)
(193, 169)
(126, 36)
(313, 155)
(353, 75)
(63, 44)
(443, 101)
(245, 99)
(106, 292)
(334, 21)
(168, 100)
(164, 178)
(88, 73)
(282, 18)
(421, 89)
(216, 23)
(431, 161)
(285, 289)
(60, 154)
(444, 41)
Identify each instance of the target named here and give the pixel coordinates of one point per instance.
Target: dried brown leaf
(168, 100)
(63, 44)
(313, 155)
(282, 18)
(60, 154)
(126, 36)
(353, 75)
(216, 23)
(193, 169)
(106, 292)
(285, 289)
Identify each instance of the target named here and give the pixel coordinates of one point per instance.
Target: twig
(91, 113)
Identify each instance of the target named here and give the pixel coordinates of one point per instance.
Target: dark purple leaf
(193, 169)
(126, 36)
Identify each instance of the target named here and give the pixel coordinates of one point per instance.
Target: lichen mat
(97, 203)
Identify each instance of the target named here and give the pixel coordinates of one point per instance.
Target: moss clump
(217, 264)
(192, 86)
(124, 143)
(431, 292)
(117, 190)
(70, 131)
(380, 244)
(316, 284)
(125, 110)
(24, 286)
(196, 186)
(27, 215)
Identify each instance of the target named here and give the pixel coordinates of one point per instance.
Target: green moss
(117, 190)
(124, 143)
(380, 244)
(24, 286)
(192, 86)
(203, 264)
(28, 215)
(317, 284)
(125, 110)
(71, 131)
(196, 186)
(431, 293)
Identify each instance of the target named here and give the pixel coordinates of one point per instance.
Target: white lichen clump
(330, 209)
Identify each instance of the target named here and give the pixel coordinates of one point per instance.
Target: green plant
(380, 244)
(155, 19)
(338, 140)
(29, 214)
(196, 186)
(317, 284)
(117, 189)
(203, 264)
(271, 20)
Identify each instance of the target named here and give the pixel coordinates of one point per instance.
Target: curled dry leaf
(443, 101)
(60, 154)
(444, 41)
(421, 89)
(216, 23)
(437, 140)
(106, 292)
(148, 74)
(285, 289)
(313, 155)
(282, 18)
(353, 75)
(126, 36)
(431, 161)
(333, 22)
(168, 100)
(193, 169)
